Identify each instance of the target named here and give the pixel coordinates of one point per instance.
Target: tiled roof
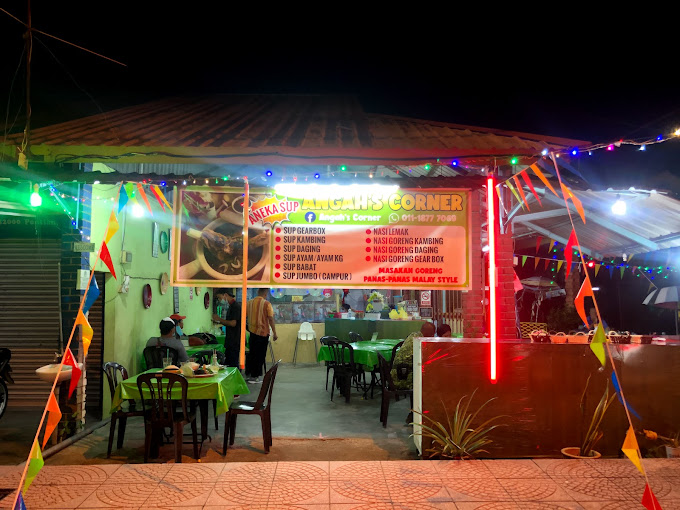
(271, 129)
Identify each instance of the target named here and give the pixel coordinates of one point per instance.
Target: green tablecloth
(221, 338)
(340, 328)
(191, 351)
(365, 353)
(221, 387)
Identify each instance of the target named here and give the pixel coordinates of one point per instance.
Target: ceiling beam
(554, 213)
(608, 224)
(557, 237)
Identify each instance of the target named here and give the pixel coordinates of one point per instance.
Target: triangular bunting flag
(525, 176)
(547, 263)
(516, 283)
(567, 250)
(634, 269)
(597, 268)
(649, 500)
(155, 194)
(524, 259)
(611, 271)
(20, 505)
(617, 388)
(184, 208)
(514, 192)
(122, 198)
(160, 194)
(105, 257)
(112, 227)
(552, 244)
(559, 265)
(86, 331)
(536, 261)
(35, 464)
(498, 194)
(630, 257)
(597, 344)
(622, 270)
(540, 175)
(130, 190)
(521, 192)
(630, 448)
(538, 243)
(92, 295)
(651, 286)
(68, 359)
(586, 290)
(140, 188)
(53, 418)
(568, 194)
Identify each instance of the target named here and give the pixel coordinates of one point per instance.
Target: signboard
(426, 298)
(301, 236)
(411, 306)
(426, 313)
(83, 247)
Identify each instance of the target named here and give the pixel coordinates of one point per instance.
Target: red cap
(178, 317)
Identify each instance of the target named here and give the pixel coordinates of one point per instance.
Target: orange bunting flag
(526, 178)
(536, 261)
(35, 464)
(630, 448)
(53, 418)
(586, 290)
(112, 228)
(649, 500)
(140, 188)
(155, 194)
(597, 344)
(514, 192)
(569, 195)
(547, 263)
(540, 175)
(559, 265)
(105, 257)
(567, 250)
(86, 331)
(160, 194)
(521, 192)
(69, 360)
(597, 268)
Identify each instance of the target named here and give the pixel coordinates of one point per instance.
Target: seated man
(405, 356)
(167, 339)
(444, 331)
(179, 333)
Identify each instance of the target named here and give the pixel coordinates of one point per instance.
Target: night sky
(574, 75)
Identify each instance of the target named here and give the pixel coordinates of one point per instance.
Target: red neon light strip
(491, 228)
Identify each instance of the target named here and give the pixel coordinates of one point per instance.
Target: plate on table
(203, 375)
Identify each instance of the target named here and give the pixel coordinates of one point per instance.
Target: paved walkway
(548, 484)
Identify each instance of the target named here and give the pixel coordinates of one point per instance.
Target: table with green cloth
(193, 350)
(365, 353)
(220, 387)
(340, 328)
(222, 338)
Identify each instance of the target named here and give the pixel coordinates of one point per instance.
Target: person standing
(232, 326)
(260, 315)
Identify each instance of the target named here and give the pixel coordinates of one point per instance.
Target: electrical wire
(8, 128)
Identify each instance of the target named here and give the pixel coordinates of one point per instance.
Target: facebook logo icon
(310, 217)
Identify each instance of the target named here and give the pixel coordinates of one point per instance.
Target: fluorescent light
(619, 207)
(596, 288)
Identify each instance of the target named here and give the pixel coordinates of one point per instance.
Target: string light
(514, 160)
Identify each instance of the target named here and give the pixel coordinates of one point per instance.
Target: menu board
(314, 236)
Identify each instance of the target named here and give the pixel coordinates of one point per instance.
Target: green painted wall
(127, 324)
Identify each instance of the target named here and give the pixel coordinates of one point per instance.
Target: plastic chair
(355, 337)
(306, 333)
(345, 371)
(389, 389)
(329, 364)
(259, 407)
(162, 413)
(153, 356)
(112, 370)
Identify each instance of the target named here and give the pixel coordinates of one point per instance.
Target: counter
(385, 328)
(539, 388)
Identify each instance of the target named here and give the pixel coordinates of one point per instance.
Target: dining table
(222, 387)
(366, 352)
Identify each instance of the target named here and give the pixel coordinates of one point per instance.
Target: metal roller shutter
(94, 361)
(29, 313)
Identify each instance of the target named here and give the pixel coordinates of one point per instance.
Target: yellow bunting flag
(112, 228)
(140, 188)
(552, 244)
(514, 192)
(160, 194)
(86, 331)
(597, 268)
(536, 261)
(630, 448)
(559, 265)
(630, 257)
(540, 175)
(568, 194)
(521, 192)
(597, 344)
(651, 285)
(35, 464)
(586, 290)
(53, 418)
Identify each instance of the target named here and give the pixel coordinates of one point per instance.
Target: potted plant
(591, 435)
(458, 438)
(671, 444)
(376, 302)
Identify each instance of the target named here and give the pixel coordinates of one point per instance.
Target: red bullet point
(277, 275)
(368, 249)
(278, 266)
(278, 248)
(278, 239)
(278, 257)
(368, 239)
(368, 259)
(368, 231)
(278, 230)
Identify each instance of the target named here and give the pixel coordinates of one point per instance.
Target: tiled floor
(542, 484)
